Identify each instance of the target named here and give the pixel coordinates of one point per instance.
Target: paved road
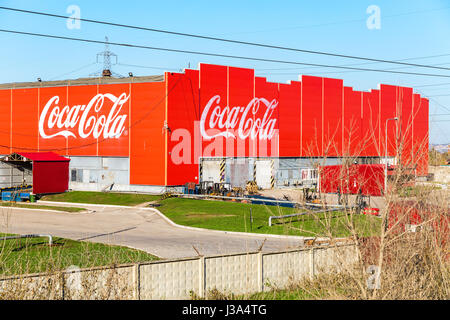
(135, 227)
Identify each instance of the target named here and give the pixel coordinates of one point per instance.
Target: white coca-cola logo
(248, 125)
(66, 118)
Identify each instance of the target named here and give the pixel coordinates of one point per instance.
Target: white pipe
(50, 238)
(300, 214)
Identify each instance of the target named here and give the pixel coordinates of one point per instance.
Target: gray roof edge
(81, 81)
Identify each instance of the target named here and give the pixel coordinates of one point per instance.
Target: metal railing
(303, 214)
(50, 238)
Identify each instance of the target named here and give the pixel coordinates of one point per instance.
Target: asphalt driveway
(140, 228)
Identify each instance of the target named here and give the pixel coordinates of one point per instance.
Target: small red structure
(50, 171)
(409, 215)
(367, 178)
(372, 211)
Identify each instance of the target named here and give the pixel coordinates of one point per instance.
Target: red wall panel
(421, 137)
(388, 110)
(289, 119)
(312, 116)
(147, 148)
(352, 142)
(365, 178)
(415, 132)
(332, 115)
(80, 96)
(25, 120)
(370, 178)
(405, 109)
(213, 85)
(330, 179)
(58, 144)
(269, 92)
(117, 145)
(5, 121)
(370, 124)
(184, 136)
(241, 90)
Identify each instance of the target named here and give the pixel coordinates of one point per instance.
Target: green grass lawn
(231, 216)
(19, 256)
(293, 294)
(33, 206)
(418, 190)
(121, 199)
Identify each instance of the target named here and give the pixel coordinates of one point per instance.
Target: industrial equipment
(310, 195)
(252, 187)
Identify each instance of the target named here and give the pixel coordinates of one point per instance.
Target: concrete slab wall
(244, 273)
(441, 174)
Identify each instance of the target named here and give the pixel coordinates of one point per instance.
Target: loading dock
(264, 174)
(239, 171)
(210, 170)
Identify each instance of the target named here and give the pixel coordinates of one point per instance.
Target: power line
(342, 22)
(437, 88)
(217, 54)
(432, 85)
(67, 73)
(434, 100)
(440, 95)
(325, 72)
(365, 63)
(146, 67)
(222, 39)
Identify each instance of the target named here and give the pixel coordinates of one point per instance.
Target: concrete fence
(441, 173)
(242, 273)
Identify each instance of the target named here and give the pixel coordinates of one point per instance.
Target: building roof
(81, 81)
(42, 156)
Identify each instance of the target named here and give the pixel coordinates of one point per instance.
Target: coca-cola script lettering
(244, 119)
(80, 116)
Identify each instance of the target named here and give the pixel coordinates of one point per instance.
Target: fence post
(137, 281)
(260, 271)
(311, 263)
(202, 282)
(63, 285)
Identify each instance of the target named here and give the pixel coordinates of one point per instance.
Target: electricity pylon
(106, 55)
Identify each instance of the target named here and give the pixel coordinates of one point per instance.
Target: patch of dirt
(147, 204)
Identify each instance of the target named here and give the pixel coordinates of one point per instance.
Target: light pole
(385, 156)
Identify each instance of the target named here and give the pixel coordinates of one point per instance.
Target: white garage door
(239, 173)
(263, 174)
(211, 170)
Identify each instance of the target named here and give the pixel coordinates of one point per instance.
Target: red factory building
(217, 123)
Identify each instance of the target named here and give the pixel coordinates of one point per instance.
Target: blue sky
(409, 29)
